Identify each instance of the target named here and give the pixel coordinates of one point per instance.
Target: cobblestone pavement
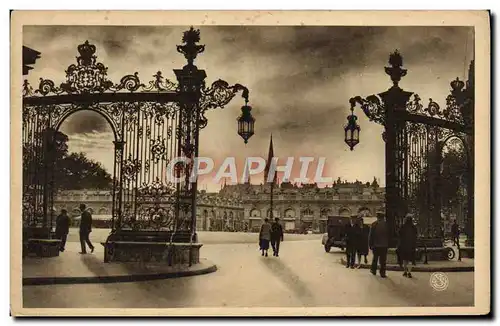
(303, 276)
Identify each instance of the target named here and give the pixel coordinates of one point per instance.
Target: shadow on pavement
(289, 278)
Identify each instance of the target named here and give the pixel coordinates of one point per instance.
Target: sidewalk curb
(420, 268)
(211, 267)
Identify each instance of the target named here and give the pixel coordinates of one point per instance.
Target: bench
(435, 253)
(430, 242)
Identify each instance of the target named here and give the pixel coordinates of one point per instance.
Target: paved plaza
(303, 276)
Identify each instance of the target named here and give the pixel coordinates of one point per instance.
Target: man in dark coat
(85, 229)
(379, 242)
(276, 236)
(455, 233)
(62, 228)
(351, 233)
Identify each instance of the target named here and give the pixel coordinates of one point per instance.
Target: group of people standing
(270, 233)
(360, 238)
(62, 229)
(356, 239)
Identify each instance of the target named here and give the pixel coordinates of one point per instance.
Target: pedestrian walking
(265, 236)
(85, 229)
(407, 245)
(455, 233)
(276, 236)
(379, 241)
(362, 249)
(351, 234)
(62, 228)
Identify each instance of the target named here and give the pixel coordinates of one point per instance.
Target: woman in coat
(265, 237)
(407, 245)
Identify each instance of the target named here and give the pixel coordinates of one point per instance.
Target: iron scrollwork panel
(149, 147)
(417, 178)
(422, 164)
(34, 138)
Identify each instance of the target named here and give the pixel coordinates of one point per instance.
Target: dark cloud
(308, 58)
(84, 122)
(115, 48)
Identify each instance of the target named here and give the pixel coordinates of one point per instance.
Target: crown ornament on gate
(88, 75)
(87, 54)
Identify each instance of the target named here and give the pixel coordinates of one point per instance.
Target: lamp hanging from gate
(246, 123)
(352, 130)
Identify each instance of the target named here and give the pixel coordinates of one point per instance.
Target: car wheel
(450, 254)
(327, 248)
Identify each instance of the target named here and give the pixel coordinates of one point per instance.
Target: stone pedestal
(37, 242)
(152, 252)
(467, 252)
(42, 247)
(392, 257)
(152, 246)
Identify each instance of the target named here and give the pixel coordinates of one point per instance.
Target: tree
(37, 153)
(453, 177)
(80, 172)
(69, 170)
(441, 183)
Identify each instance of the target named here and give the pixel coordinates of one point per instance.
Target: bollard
(425, 253)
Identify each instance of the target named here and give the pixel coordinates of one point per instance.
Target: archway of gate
(83, 155)
(149, 131)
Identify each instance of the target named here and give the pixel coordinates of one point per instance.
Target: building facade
(214, 212)
(306, 207)
(243, 207)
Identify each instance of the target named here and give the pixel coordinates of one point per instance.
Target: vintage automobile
(335, 233)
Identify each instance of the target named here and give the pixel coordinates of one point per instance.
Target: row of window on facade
(308, 212)
(76, 211)
(316, 197)
(224, 214)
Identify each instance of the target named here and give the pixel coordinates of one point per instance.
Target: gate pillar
(394, 100)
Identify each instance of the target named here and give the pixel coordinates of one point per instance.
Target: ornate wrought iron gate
(153, 124)
(414, 137)
(419, 157)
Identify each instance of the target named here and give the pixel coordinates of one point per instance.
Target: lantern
(352, 130)
(246, 123)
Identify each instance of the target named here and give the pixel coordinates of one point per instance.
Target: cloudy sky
(300, 80)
